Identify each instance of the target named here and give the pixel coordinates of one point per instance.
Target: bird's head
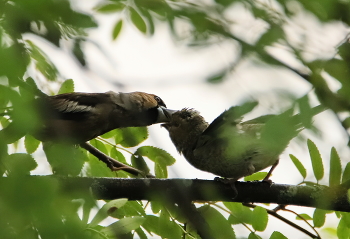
(185, 127)
(146, 108)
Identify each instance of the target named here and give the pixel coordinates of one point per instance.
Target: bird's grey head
(185, 127)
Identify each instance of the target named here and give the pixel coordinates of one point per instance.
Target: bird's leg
(266, 179)
(229, 181)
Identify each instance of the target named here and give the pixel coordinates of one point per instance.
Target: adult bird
(229, 147)
(79, 117)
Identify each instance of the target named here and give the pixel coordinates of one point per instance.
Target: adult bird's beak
(164, 114)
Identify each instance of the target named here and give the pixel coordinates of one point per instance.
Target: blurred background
(210, 55)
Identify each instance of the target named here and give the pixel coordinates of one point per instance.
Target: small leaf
(346, 173)
(31, 144)
(253, 235)
(256, 176)
(259, 219)
(157, 155)
(123, 226)
(67, 87)
(117, 155)
(239, 213)
(117, 28)
(139, 162)
(137, 20)
(219, 226)
(317, 164)
(109, 7)
(277, 235)
(160, 170)
(131, 136)
(20, 164)
(99, 145)
(335, 168)
(343, 230)
(319, 217)
(304, 216)
(168, 228)
(106, 209)
(298, 165)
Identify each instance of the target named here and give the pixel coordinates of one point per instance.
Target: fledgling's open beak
(164, 114)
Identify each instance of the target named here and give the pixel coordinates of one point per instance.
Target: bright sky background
(177, 74)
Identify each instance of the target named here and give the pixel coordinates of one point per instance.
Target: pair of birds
(227, 147)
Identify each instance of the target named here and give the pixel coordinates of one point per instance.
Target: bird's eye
(160, 101)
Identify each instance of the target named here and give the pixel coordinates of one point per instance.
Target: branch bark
(203, 190)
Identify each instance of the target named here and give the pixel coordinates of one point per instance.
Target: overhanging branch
(202, 190)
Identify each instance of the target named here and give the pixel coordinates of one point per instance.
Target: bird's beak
(164, 114)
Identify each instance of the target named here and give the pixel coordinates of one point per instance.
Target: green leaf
(99, 145)
(346, 173)
(131, 136)
(107, 209)
(109, 7)
(277, 235)
(335, 168)
(304, 215)
(66, 87)
(219, 226)
(20, 164)
(109, 134)
(298, 165)
(160, 170)
(319, 217)
(123, 226)
(137, 161)
(167, 228)
(117, 155)
(31, 144)
(256, 176)
(131, 208)
(157, 155)
(317, 164)
(343, 230)
(137, 20)
(253, 235)
(239, 213)
(117, 28)
(259, 218)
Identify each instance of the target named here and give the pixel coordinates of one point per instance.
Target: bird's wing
(230, 117)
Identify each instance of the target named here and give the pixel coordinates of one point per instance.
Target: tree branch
(204, 190)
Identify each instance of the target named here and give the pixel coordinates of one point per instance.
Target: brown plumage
(78, 117)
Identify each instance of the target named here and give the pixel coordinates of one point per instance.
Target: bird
(230, 148)
(78, 117)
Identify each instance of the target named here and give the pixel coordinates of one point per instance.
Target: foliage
(40, 210)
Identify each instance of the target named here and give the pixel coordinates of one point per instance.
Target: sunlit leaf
(240, 213)
(123, 226)
(317, 164)
(259, 219)
(298, 165)
(343, 230)
(131, 136)
(319, 217)
(66, 87)
(277, 235)
(335, 169)
(109, 7)
(157, 155)
(137, 20)
(253, 235)
(117, 28)
(304, 217)
(160, 170)
(256, 176)
(346, 173)
(31, 144)
(107, 209)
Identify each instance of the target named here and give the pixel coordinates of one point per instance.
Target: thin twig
(113, 164)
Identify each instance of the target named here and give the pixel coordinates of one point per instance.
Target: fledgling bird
(79, 117)
(229, 147)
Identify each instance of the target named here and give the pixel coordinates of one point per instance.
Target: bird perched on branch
(229, 147)
(78, 117)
